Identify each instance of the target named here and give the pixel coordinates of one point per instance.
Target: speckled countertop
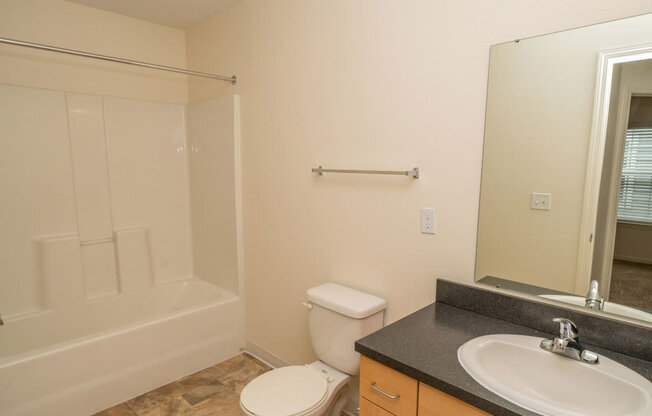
(424, 346)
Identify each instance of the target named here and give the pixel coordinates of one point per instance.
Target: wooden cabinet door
(403, 389)
(369, 409)
(433, 402)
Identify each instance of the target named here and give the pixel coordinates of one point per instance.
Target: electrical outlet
(428, 220)
(541, 201)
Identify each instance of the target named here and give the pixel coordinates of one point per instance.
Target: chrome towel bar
(414, 172)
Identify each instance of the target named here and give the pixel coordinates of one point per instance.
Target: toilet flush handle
(307, 304)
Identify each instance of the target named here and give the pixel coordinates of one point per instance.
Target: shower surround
(119, 255)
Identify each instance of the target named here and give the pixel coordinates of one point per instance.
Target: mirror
(566, 195)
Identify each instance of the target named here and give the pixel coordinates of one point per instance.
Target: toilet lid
(284, 391)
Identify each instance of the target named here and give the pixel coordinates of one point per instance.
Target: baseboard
(632, 259)
(265, 356)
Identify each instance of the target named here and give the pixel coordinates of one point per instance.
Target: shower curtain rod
(15, 42)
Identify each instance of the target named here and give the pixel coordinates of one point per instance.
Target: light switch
(541, 201)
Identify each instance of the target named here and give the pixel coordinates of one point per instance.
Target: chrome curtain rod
(15, 42)
(414, 172)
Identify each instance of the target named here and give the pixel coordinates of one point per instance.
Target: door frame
(624, 102)
(606, 62)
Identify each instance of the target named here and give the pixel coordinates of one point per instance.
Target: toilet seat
(285, 391)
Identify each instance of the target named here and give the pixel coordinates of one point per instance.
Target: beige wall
(633, 242)
(361, 84)
(68, 25)
(540, 106)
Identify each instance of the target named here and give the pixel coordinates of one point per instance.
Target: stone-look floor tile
(122, 409)
(202, 393)
(174, 406)
(256, 360)
(201, 378)
(156, 397)
(236, 380)
(234, 363)
(238, 386)
(212, 374)
(225, 403)
(212, 391)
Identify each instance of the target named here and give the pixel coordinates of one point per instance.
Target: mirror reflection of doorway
(631, 273)
(623, 251)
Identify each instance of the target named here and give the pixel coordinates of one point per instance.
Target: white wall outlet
(541, 201)
(428, 220)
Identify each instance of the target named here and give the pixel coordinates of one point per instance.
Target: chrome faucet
(568, 343)
(593, 298)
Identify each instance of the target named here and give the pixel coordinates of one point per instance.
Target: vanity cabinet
(376, 378)
(367, 408)
(433, 402)
(386, 392)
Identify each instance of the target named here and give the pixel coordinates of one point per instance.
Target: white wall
(68, 25)
(361, 84)
(539, 112)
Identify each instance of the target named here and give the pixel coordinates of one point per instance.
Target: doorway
(622, 261)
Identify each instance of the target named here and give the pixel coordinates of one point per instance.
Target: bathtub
(81, 359)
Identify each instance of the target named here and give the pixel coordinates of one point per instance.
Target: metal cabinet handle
(373, 386)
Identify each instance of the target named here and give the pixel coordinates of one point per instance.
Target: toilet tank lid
(347, 301)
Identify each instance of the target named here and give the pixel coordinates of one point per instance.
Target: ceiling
(174, 13)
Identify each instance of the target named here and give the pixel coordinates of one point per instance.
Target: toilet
(338, 316)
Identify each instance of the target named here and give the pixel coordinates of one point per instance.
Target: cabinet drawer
(404, 388)
(369, 409)
(433, 402)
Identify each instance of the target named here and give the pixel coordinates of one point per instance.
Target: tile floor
(212, 391)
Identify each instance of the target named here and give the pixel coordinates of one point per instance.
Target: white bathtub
(81, 359)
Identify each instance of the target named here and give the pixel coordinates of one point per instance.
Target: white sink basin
(517, 369)
(608, 306)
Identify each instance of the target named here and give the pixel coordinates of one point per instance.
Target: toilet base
(339, 402)
(336, 396)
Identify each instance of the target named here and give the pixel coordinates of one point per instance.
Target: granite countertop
(424, 346)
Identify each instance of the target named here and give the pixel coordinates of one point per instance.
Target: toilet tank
(340, 316)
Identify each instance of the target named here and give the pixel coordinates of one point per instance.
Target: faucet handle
(567, 329)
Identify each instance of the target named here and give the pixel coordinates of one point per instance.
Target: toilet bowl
(338, 317)
(310, 390)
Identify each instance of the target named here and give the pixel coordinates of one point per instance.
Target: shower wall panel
(149, 179)
(91, 180)
(213, 134)
(88, 147)
(37, 191)
(95, 198)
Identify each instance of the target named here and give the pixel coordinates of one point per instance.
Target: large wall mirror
(566, 197)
